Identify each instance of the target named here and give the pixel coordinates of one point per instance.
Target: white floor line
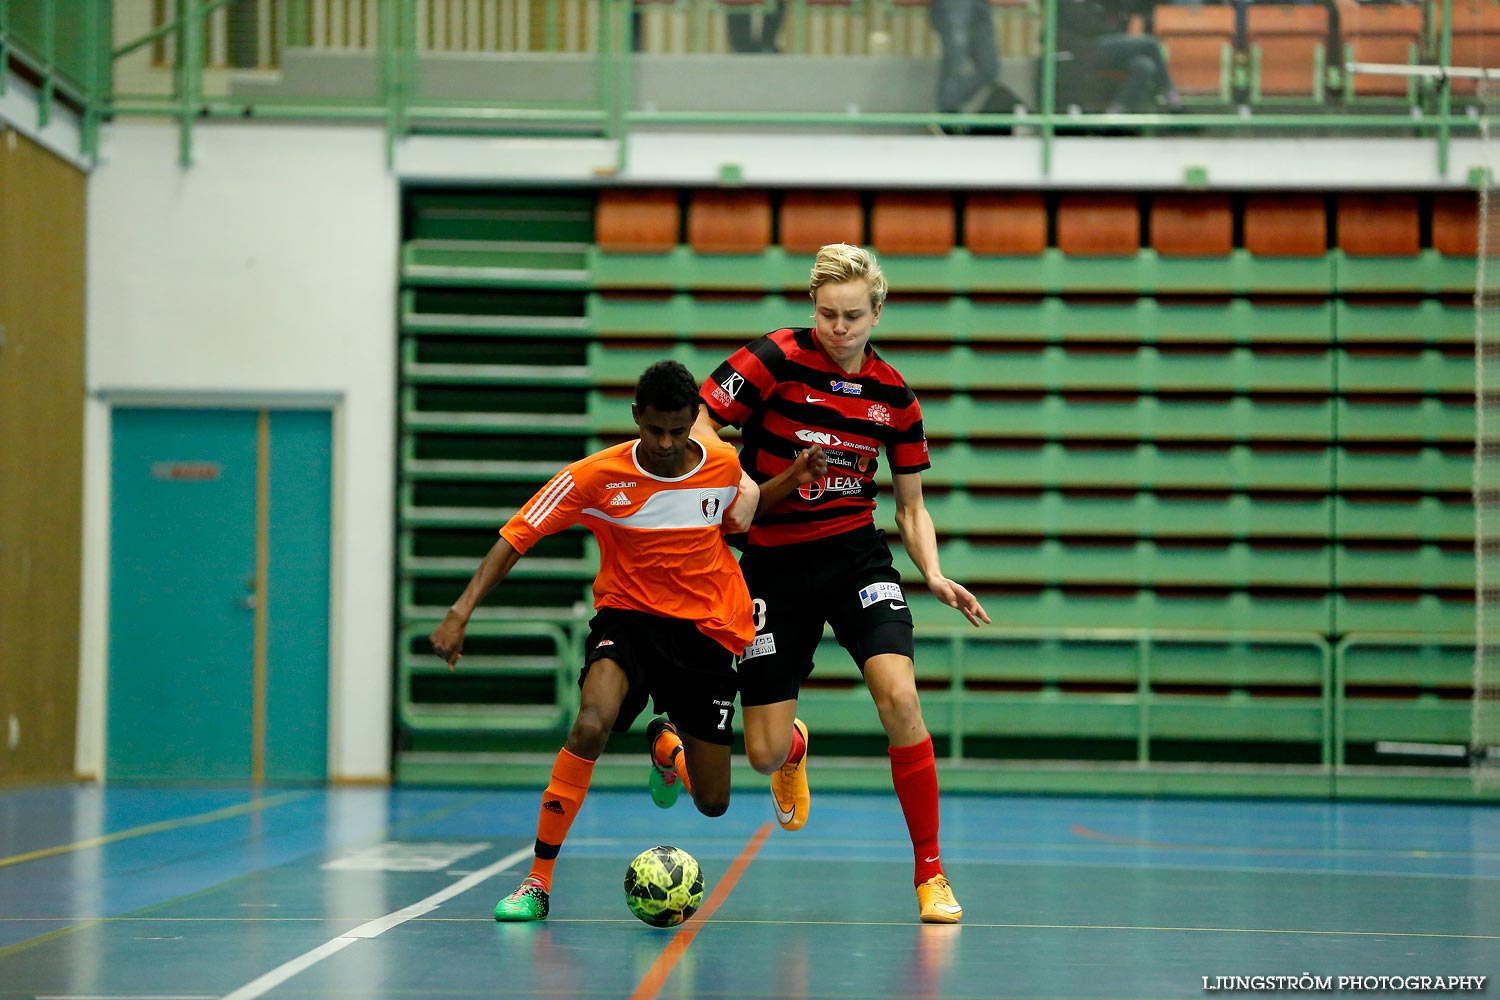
(371, 929)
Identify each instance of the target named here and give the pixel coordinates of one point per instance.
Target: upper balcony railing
(607, 67)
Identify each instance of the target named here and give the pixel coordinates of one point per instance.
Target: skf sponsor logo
(847, 388)
(831, 440)
(885, 590)
(709, 503)
(879, 413)
(762, 646)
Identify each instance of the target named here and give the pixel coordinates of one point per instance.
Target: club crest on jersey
(709, 502)
(847, 388)
(879, 413)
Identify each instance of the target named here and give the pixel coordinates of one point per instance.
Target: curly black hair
(668, 386)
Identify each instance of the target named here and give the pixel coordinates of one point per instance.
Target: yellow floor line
(167, 824)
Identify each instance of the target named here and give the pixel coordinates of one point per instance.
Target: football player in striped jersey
(818, 408)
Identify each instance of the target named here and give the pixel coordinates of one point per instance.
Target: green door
(219, 570)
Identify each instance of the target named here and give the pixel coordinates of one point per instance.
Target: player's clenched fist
(448, 639)
(810, 466)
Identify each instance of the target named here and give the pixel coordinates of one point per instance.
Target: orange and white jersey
(660, 547)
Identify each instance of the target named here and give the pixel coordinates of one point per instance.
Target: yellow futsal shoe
(789, 792)
(935, 897)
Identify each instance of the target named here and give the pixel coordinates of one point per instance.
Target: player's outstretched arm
(704, 425)
(740, 513)
(448, 638)
(810, 466)
(920, 538)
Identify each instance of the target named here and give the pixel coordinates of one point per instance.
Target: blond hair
(839, 262)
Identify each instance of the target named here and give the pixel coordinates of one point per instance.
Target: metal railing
(190, 59)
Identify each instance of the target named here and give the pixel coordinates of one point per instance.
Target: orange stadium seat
(1005, 224)
(631, 220)
(1455, 224)
(733, 221)
(1380, 33)
(1200, 47)
(1288, 49)
(1192, 225)
(1379, 225)
(813, 219)
(915, 223)
(1286, 225)
(1098, 225)
(1476, 39)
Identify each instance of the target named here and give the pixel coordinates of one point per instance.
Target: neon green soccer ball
(664, 886)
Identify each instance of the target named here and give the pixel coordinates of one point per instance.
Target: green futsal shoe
(664, 782)
(528, 902)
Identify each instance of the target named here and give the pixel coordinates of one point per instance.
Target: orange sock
(669, 752)
(560, 803)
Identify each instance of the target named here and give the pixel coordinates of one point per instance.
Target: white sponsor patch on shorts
(762, 645)
(885, 590)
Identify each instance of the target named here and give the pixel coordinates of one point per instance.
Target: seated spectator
(1095, 35)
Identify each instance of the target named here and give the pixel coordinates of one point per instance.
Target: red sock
(798, 750)
(914, 773)
(560, 804)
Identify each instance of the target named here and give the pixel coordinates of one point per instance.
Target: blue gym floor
(181, 893)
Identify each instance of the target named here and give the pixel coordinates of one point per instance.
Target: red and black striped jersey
(785, 393)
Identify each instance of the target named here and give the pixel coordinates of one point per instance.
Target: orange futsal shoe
(935, 897)
(789, 792)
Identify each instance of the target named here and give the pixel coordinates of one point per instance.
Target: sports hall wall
(42, 209)
(261, 277)
(267, 274)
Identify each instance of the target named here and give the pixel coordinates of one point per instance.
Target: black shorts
(689, 676)
(846, 581)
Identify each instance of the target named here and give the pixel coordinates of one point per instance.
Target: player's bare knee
(711, 804)
(764, 756)
(900, 709)
(590, 734)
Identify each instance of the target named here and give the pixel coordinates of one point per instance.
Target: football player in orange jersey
(672, 608)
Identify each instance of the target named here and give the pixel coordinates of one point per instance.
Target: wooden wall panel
(42, 227)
